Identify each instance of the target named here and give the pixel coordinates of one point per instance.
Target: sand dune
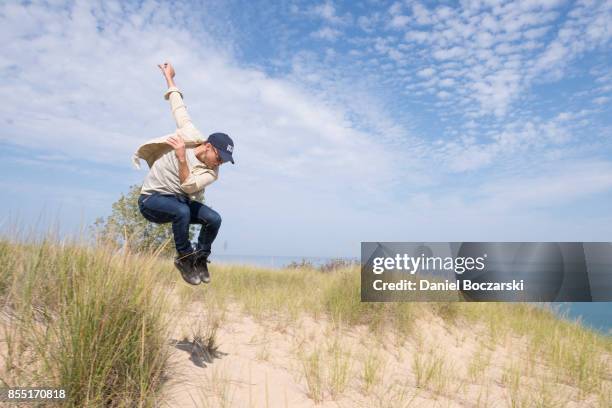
(100, 324)
(270, 363)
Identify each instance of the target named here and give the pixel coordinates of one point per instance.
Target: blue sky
(353, 121)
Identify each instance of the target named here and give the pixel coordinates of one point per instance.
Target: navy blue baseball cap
(224, 145)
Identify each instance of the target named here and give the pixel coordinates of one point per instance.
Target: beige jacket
(200, 175)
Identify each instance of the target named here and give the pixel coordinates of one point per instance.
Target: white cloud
(535, 33)
(588, 26)
(395, 8)
(399, 21)
(487, 38)
(529, 137)
(484, 39)
(426, 72)
(489, 23)
(100, 108)
(421, 14)
(447, 82)
(368, 23)
(555, 186)
(418, 36)
(327, 11)
(449, 53)
(327, 33)
(316, 142)
(443, 12)
(536, 4)
(395, 55)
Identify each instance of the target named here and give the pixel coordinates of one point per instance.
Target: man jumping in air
(181, 165)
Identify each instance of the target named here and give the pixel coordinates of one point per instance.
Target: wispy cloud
(327, 33)
(327, 11)
(498, 49)
(399, 113)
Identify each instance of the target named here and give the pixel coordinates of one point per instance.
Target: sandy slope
(261, 364)
(262, 367)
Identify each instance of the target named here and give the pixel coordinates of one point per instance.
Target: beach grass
(87, 320)
(95, 321)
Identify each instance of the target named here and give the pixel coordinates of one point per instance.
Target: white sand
(262, 367)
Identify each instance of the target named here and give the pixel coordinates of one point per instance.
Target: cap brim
(225, 156)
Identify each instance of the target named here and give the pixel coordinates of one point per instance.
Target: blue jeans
(181, 211)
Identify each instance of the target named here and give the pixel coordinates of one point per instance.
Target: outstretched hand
(167, 69)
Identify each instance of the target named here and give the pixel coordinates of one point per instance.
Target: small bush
(301, 264)
(337, 263)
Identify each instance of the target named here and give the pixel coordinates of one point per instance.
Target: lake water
(272, 261)
(596, 315)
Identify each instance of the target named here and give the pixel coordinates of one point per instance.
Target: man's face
(211, 156)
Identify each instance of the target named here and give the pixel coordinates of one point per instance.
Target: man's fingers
(173, 141)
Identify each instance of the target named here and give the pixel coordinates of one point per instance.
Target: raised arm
(179, 110)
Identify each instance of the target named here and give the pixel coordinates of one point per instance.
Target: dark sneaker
(201, 266)
(188, 272)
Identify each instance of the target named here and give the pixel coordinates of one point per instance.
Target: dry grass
(91, 320)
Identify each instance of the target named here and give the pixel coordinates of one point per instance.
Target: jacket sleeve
(198, 179)
(152, 150)
(185, 126)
